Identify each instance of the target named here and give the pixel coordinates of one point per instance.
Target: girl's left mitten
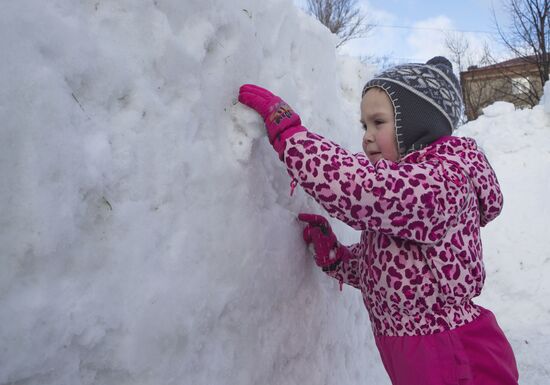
(328, 251)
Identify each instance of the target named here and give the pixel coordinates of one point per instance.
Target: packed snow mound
(148, 236)
(498, 108)
(516, 252)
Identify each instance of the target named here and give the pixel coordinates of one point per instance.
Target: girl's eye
(379, 122)
(364, 126)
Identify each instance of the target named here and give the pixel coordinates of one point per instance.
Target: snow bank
(516, 252)
(147, 232)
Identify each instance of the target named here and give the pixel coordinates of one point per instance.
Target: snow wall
(148, 235)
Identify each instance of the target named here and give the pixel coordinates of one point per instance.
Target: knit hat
(426, 100)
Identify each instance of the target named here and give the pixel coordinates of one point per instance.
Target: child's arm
(418, 202)
(338, 261)
(348, 272)
(490, 196)
(411, 201)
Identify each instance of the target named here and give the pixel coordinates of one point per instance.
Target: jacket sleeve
(413, 201)
(487, 189)
(349, 272)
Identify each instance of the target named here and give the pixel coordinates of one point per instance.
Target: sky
(414, 31)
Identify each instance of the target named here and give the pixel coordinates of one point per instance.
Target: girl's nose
(368, 137)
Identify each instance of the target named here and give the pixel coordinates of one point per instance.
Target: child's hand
(328, 250)
(280, 120)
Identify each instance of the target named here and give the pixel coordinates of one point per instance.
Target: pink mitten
(280, 120)
(328, 251)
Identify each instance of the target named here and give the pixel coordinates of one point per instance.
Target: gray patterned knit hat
(426, 99)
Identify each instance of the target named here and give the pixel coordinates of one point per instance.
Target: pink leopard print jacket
(419, 261)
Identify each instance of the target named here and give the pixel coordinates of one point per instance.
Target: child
(419, 196)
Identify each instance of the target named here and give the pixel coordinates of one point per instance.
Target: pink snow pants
(477, 353)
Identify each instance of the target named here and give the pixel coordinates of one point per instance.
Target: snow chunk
(498, 108)
(545, 100)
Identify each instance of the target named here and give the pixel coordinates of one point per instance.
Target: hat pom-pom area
(440, 60)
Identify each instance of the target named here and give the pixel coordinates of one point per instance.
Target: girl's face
(378, 119)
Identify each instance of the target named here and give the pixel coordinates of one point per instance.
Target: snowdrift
(148, 236)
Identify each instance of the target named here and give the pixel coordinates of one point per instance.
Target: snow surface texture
(516, 252)
(147, 232)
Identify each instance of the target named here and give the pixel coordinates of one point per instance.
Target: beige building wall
(482, 88)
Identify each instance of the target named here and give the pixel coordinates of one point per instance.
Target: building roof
(517, 61)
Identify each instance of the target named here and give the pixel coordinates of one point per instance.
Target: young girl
(419, 196)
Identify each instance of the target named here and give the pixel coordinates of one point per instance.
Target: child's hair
(426, 100)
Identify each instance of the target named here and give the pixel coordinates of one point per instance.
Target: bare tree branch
(475, 90)
(528, 34)
(341, 17)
